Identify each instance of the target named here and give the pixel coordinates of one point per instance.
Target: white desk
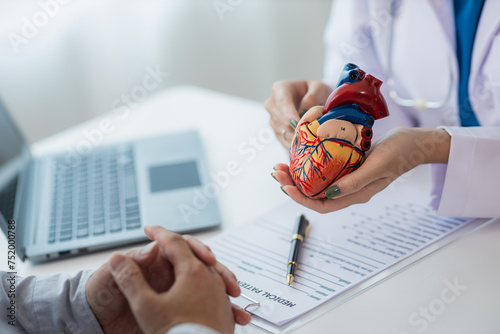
(233, 128)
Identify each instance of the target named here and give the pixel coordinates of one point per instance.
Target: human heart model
(331, 141)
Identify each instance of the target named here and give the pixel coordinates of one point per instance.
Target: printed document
(342, 250)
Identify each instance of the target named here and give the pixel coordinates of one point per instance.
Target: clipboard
(420, 199)
(261, 325)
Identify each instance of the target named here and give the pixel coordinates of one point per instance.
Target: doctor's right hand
(288, 100)
(197, 295)
(397, 152)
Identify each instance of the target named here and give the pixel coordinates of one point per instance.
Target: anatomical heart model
(331, 141)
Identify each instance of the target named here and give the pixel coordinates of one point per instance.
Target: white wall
(88, 53)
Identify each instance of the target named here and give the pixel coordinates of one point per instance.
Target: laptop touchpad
(176, 189)
(174, 176)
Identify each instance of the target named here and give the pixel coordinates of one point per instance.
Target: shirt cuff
(191, 329)
(60, 303)
(81, 308)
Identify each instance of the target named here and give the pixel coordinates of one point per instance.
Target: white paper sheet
(343, 249)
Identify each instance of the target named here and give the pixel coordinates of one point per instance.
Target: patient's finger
(173, 247)
(241, 317)
(202, 251)
(232, 287)
(131, 282)
(145, 255)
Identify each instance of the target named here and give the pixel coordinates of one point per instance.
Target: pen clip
(308, 228)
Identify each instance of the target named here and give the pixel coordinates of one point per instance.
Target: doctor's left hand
(399, 151)
(109, 304)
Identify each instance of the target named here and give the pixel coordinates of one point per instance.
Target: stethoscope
(419, 103)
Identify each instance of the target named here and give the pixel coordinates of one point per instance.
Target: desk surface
(231, 128)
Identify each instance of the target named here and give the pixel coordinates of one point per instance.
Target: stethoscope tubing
(420, 103)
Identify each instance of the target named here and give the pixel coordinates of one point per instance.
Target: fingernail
(274, 177)
(146, 249)
(302, 113)
(293, 123)
(283, 190)
(332, 192)
(116, 261)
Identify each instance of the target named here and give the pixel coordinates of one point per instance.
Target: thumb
(128, 276)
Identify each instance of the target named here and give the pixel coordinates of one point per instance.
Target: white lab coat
(423, 51)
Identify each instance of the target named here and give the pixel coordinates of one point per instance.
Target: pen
(300, 232)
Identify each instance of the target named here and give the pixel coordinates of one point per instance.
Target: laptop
(67, 204)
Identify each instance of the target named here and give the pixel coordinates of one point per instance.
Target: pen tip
(289, 279)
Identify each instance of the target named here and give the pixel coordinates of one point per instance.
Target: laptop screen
(11, 148)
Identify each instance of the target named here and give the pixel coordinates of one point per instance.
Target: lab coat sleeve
(49, 304)
(471, 185)
(349, 38)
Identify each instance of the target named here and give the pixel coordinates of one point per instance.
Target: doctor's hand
(197, 295)
(109, 304)
(287, 101)
(399, 151)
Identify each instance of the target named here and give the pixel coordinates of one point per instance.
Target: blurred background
(63, 62)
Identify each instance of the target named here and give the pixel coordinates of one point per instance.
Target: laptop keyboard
(94, 195)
